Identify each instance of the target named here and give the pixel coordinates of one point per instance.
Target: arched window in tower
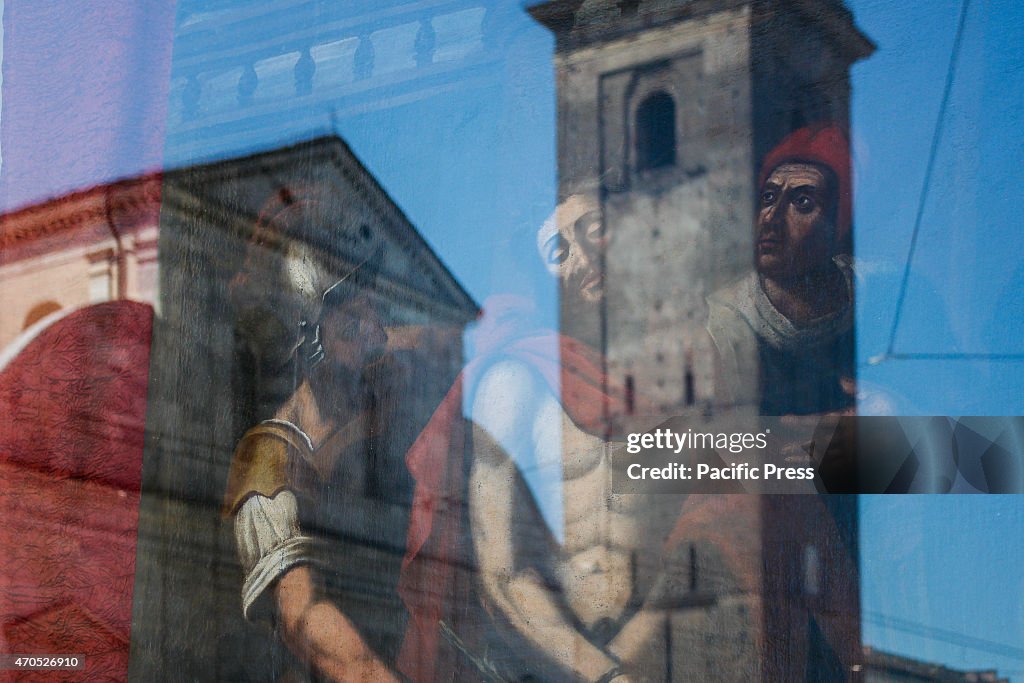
(656, 131)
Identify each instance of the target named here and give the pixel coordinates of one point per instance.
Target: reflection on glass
(290, 445)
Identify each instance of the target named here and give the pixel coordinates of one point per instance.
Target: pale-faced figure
(567, 569)
(571, 244)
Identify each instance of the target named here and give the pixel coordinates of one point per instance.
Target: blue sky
(948, 563)
(967, 275)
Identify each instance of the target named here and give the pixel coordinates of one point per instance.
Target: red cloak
(74, 408)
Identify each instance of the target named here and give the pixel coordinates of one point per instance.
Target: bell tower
(666, 109)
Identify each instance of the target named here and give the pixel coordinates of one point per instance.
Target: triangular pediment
(358, 221)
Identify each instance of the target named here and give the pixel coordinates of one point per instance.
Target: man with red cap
(785, 338)
(785, 332)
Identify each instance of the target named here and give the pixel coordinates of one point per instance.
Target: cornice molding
(128, 199)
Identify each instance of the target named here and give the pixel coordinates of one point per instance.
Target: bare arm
(274, 555)
(318, 633)
(506, 406)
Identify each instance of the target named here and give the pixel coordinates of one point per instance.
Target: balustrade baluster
(305, 69)
(364, 58)
(247, 84)
(426, 41)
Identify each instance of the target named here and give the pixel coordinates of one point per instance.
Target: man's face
(353, 334)
(795, 221)
(571, 244)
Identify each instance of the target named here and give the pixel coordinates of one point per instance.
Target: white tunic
(269, 540)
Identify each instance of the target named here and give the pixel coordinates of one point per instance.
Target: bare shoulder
(507, 400)
(506, 381)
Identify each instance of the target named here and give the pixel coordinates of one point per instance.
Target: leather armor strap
(261, 463)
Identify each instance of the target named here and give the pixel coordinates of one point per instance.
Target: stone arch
(38, 312)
